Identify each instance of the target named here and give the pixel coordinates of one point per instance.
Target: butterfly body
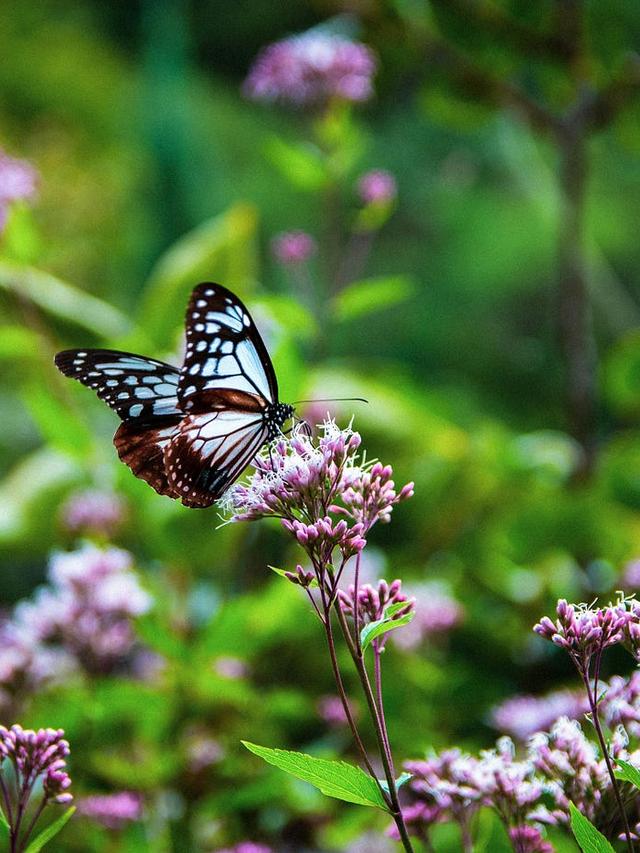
(190, 432)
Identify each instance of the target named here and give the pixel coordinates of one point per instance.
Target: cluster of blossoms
(33, 774)
(113, 811)
(88, 608)
(312, 69)
(292, 248)
(81, 620)
(18, 180)
(93, 512)
(560, 766)
(246, 847)
(369, 604)
(585, 631)
(327, 497)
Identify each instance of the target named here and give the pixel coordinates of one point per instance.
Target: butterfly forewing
(224, 349)
(143, 391)
(133, 385)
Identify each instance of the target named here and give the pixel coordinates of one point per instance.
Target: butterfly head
(275, 416)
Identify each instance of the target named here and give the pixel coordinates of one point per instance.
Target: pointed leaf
(386, 624)
(49, 832)
(628, 772)
(587, 836)
(4, 824)
(334, 778)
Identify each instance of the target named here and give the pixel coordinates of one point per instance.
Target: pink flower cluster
(311, 69)
(325, 495)
(584, 631)
(93, 512)
(36, 755)
(113, 811)
(82, 620)
(370, 604)
(560, 766)
(18, 181)
(246, 847)
(88, 608)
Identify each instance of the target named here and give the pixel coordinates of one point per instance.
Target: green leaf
(4, 824)
(372, 294)
(302, 165)
(627, 772)
(63, 300)
(283, 574)
(386, 624)
(220, 249)
(587, 836)
(49, 832)
(334, 778)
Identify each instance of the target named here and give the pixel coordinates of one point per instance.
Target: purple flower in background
(529, 839)
(113, 811)
(620, 703)
(18, 180)
(436, 612)
(377, 187)
(246, 847)
(293, 247)
(311, 69)
(88, 608)
(93, 512)
(522, 716)
(331, 710)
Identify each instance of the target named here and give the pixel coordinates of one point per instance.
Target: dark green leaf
(334, 778)
(587, 836)
(49, 832)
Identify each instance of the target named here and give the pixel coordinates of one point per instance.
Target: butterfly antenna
(333, 400)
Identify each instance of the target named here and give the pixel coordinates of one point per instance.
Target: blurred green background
(155, 173)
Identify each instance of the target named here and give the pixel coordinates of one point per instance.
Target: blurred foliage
(156, 173)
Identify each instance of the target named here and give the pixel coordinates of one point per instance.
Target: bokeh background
(488, 309)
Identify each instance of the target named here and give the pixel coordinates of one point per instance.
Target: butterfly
(190, 432)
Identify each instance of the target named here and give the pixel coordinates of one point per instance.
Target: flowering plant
(33, 775)
(328, 498)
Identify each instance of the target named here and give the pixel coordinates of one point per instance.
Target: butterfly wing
(226, 384)
(224, 351)
(209, 452)
(143, 392)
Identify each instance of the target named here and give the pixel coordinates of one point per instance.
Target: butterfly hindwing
(209, 451)
(224, 348)
(134, 386)
(141, 445)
